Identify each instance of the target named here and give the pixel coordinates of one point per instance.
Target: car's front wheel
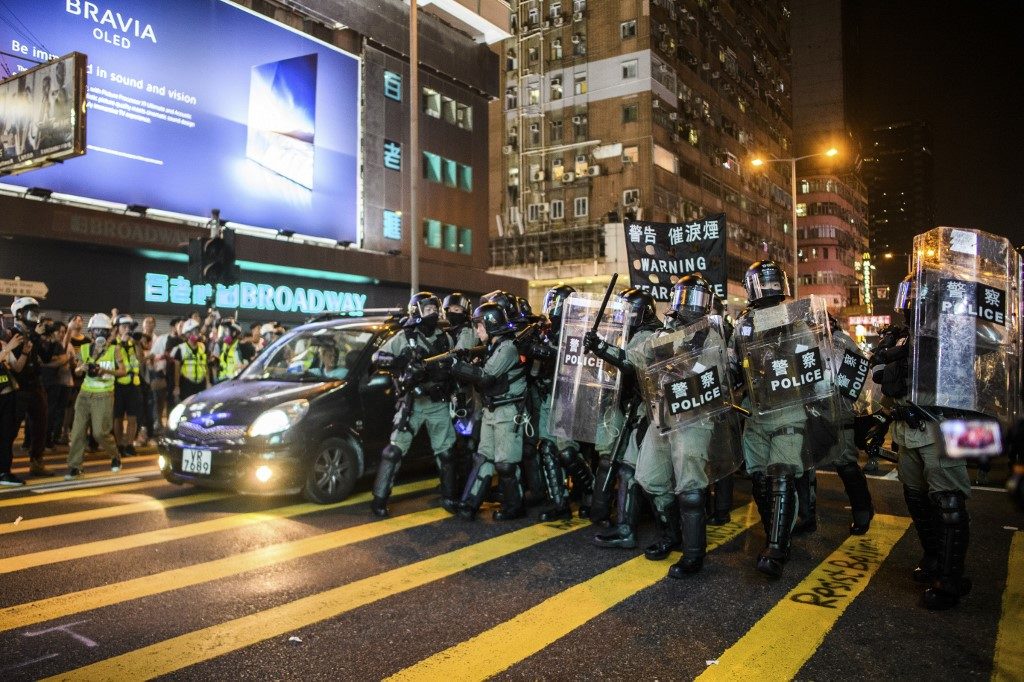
(333, 472)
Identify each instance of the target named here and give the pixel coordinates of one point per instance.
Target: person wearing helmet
(422, 400)
(643, 322)
(720, 492)
(464, 420)
(456, 312)
(8, 408)
(501, 381)
(28, 359)
(191, 372)
(127, 389)
(101, 364)
(230, 361)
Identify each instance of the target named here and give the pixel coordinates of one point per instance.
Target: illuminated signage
(870, 320)
(392, 225)
(161, 288)
(392, 155)
(393, 86)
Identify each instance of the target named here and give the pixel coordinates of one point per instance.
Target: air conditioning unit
(534, 127)
(543, 208)
(575, 38)
(559, 20)
(581, 158)
(577, 120)
(538, 176)
(656, 104)
(577, 16)
(593, 171)
(673, 116)
(507, 149)
(568, 177)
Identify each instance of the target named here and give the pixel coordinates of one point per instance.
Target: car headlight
(176, 415)
(280, 418)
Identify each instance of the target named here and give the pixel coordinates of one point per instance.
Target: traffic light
(212, 260)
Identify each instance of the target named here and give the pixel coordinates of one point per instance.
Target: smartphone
(972, 438)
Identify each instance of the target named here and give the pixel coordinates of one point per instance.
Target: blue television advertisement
(201, 104)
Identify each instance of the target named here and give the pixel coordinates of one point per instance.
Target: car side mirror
(379, 381)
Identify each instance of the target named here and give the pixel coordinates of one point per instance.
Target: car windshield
(316, 354)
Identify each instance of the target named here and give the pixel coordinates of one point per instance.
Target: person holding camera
(8, 398)
(102, 363)
(29, 356)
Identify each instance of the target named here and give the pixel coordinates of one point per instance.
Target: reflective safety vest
(193, 363)
(106, 360)
(230, 362)
(131, 361)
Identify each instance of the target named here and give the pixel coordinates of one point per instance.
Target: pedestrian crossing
(777, 645)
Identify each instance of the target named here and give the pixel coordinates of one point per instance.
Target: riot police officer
(935, 488)
(423, 394)
(501, 381)
(456, 311)
(623, 426)
(26, 362)
(720, 492)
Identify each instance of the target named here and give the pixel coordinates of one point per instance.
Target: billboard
(42, 117)
(196, 104)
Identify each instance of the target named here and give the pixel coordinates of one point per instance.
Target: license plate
(196, 461)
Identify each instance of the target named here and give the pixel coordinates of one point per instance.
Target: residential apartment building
(645, 109)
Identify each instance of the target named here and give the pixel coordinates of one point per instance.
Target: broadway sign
(661, 253)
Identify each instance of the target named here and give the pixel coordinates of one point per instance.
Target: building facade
(638, 109)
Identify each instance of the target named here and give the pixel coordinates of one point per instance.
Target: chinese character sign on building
(661, 253)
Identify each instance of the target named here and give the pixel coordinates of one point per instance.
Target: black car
(308, 415)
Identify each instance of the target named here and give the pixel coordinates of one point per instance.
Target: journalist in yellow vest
(191, 373)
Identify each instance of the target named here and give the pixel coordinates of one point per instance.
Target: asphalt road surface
(124, 577)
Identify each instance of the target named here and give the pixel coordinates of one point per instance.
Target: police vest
(193, 363)
(131, 361)
(230, 362)
(106, 360)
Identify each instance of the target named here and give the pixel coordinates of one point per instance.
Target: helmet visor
(765, 283)
(691, 297)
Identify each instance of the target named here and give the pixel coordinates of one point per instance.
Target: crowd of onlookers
(110, 378)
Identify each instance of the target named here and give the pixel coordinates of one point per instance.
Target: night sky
(957, 67)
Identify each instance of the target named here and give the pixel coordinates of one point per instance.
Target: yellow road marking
(787, 636)
(110, 512)
(40, 611)
(1008, 662)
(490, 653)
(195, 647)
(90, 457)
(84, 492)
(190, 530)
(124, 460)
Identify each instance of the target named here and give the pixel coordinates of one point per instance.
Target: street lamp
(757, 162)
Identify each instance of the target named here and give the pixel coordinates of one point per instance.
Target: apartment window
(431, 103)
(393, 85)
(556, 48)
(533, 213)
(629, 69)
(557, 209)
(532, 54)
(465, 178)
(627, 29)
(450, 238)
(535, 134)
(824, 253)
(448, 109)
(448, 172)
(555, 10)
(511, 98)
(631, 197)
(556, 131)
(556, 88)
(580, 84)
(533, 91)
(630, 113)
(464, 116)
(581, 207)
(533, 16)
(465, 241)
(431, 167)
(432, 233)
(579, 44)
(579, 5)
(392, 223)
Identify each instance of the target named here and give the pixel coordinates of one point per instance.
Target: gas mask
(428, 323)
(457, 319)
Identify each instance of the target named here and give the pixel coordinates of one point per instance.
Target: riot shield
(684, 376)
(787, 359)
(585, 386)
(966, 350)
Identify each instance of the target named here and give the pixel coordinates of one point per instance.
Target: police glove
(593, 343)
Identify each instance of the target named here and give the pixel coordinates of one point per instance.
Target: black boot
(807, 495)
(476, 487)
(694, 532)
(448, 474)
(783, 510)
(953, 523)
(759, 491)
(667, 521)
(554, 481)
(722, 503)
(601, 500)
(390, 460)
(624, 535)
(924, 523)
(533, 476)
(856, 485)
(511, 493)
(582, 477)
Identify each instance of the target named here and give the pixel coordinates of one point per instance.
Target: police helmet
(420, 306)
(524, 311)
(493, 317)
(640, 305)
(456, 298)
(906, 293)
(554, 303)
(766, 283)
(506, 300)
(25, 308)
(692, 298)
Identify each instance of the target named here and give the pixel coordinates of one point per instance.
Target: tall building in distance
(899, 174)
(645, 109)
(832, 205)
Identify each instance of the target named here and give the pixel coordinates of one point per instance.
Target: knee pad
(691, 499)
(568, 455)
(951, 505)
(392, 453)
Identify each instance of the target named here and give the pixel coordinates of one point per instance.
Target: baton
(604, 303)
(742, 410)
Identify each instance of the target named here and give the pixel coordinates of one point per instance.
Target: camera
(92, 370)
